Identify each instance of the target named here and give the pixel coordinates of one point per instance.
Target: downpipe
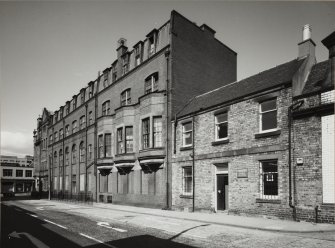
(293, 106)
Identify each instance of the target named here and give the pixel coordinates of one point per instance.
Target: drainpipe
(294, 106)
(95, 139)
(167, 53)
(63, 137)
(193, 163)
(85, 152)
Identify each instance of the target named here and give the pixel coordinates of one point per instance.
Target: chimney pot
(306, 32)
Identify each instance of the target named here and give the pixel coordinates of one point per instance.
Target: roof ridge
(223, 86)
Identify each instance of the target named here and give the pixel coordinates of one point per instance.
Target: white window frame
(184, 181)
(218, 123)
(261, 115)
(184, 132)
(261, 174)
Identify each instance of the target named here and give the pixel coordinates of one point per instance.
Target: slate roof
(279, 75)
(319, 78)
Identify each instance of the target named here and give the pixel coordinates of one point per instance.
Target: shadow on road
(20, 229)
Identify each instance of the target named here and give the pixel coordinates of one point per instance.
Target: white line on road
(118, 229)
(40, 208)
(33, 215)
(96, 240)
(55, 224)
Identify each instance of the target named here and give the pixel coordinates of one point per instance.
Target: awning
(151, 165)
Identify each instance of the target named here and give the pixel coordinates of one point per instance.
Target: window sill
(267, 134)
(186, 196)
(220, 142)
(185, 148)
(273, 201)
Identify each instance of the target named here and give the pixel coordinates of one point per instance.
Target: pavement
(100, 210)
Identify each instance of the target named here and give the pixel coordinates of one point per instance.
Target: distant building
(263, 145)
(113, 138)
(17, 174)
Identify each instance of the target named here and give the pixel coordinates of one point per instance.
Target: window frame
(101, 146)
(184, 132)
(67, 156)
(82, 152)
(105, 108)
(267, 111)
(107, 145)
(120, 149)
(262, 195)
(146, 135)
(74, 154)
(154, 139)
(82, 122)
(184, 181)
(126, 140)
(30, 172)
(17, 174)
(151, 83)
(125, 97)
(7, 170)
(216, 125)
(74, 126)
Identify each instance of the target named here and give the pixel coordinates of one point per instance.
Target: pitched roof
(279, 75)
(319, 78)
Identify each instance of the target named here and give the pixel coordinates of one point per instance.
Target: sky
(50, 50)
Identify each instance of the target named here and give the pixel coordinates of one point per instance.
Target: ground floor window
(82, 182)
(187, 180)
(269, 179)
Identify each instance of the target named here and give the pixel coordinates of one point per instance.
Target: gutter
(293, 106)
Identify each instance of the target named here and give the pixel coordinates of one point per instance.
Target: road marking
(104, 224)
(36, 242)
(118, 229)
(96, 240)
(40, 208)
(33, 215)
(55, 223)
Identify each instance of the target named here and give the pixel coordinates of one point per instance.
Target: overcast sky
(50, 50)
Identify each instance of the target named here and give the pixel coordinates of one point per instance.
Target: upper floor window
(56, 136)
(74, 103)
(90, 151)
(56, 117)
(74, 127)
(105, 79)
(19, 173)
(90, 90)
(114, 74)
(157, 131)
(67, 130)
(67, 156)
(67, 109)
(29, 173)
(108, 145)
(61, 157)
(152, 42)
(125, 97)
(119, 140)
(106, 108)
(61, 133)
(82, 97)
(151, 83)
(90, 118)
(81, 152)
(74, 154)
(61, 113)
(50, 139)
(82, 122)
(100, 146)
(138, 55)
(7, 172)
(125, 64)
(268, 115)
(187, 134)
(221, 126)
(146, 133)
(129, 140)
(55, 158)
(269, 179)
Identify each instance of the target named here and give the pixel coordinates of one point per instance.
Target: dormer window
(125, 97)
(82, 97)
(151, 83)
(152, 42)
(56, 117)
(138, 54)
(67, 110)
(105, 79)
(125, 64)
(90, 92)
(74, 103)
(61, 113)
(114, 73)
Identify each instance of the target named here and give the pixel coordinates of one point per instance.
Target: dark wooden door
(222, 192)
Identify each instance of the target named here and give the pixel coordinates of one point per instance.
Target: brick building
(113, 138)
(17, 176)
(263, 145)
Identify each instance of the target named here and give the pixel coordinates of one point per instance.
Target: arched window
(74, 154)
(81, 152)
(125, 97)
(67, 156)
(151, 83)
(106, 108)
(55, 158)
(60, 157)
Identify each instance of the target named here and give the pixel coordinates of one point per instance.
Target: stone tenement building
(263, 145)
(113, 139)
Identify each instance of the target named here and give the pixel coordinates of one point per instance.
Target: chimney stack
(307, 46)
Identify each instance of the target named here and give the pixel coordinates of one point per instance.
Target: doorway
(222, 189)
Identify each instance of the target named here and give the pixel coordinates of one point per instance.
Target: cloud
(16, 143)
